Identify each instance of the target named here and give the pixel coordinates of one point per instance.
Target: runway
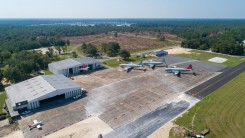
(213, 84)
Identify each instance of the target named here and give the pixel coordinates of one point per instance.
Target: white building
(73, 65)
(37, 91)
(159, 53)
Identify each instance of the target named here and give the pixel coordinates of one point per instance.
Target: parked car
(76, 97)
(98, 56)
(25, 112)
(199, 136)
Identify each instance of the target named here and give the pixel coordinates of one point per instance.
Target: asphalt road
(197, 64)
(213, 84)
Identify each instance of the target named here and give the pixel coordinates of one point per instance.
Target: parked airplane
(36, 124)
(153, 64)
(130, 66)
(83, 67)
(178, 71)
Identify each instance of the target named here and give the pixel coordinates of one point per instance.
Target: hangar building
(40, 90)
(159, 53)
(73, 65)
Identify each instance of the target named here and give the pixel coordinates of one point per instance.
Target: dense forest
(17, 36)
(224, 36)
(22, 65)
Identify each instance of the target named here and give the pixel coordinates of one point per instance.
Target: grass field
(115, 62)
(205, 56)
(222, 111)
(69, 48)
(2, 100)
(65, 56)
(47, 72)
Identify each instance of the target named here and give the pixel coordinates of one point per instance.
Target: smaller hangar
(74, 65)
(38, 91)
(159, 53)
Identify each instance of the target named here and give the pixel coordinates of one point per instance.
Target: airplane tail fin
(141, 63)
(164, 61)
(83, 66)
(190, 66)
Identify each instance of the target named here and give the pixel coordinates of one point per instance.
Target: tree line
(110, 49)
(19, 66)
(226, 42)
(197, 34)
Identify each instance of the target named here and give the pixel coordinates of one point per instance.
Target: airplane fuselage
(130, 66)
(35, 125)
(177, 69)
(153, 63)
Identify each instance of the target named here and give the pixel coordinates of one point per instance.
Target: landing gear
(194, 74)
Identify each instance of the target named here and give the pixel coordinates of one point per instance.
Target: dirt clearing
(179, 50)
(89, 128)
(128, 41)
(44, 50)
(162, 132)
(15, 134)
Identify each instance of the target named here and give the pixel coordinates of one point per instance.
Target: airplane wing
(38, 126)
(127, 68)
(151, 65)
(35, 122)
(176, 72)
(86, 68)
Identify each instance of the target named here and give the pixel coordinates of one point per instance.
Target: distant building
(74, 65)
(37, 91)
(159, 53)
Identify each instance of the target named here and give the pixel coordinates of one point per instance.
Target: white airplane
(83, 67)
(178, 71)
(130, 66)
(153, 64)
(36, 124)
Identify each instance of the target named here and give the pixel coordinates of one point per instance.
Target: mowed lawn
(222, 111)
(47, 72)
(205, 56)
(2, 100)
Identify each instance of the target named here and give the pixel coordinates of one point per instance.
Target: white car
(76, 97)
(199, 136)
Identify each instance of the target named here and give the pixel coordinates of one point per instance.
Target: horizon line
(120, 18)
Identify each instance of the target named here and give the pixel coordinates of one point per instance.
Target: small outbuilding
(159, 53)
(73, 66)
(38, 91)
(204, 132)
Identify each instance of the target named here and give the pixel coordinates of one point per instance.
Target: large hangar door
(52, 100)
(71, 71)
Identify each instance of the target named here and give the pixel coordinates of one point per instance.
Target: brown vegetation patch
(85, 39)
(128, 41)
(132, 42)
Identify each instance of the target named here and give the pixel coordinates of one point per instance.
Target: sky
(122, 8)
